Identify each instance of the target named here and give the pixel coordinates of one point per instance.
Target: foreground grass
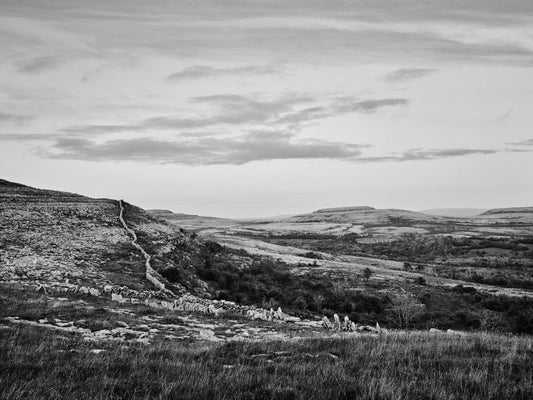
(37, 364)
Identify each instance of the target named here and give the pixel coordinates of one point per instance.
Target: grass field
(38, 364)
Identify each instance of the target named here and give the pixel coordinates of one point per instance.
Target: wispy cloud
(527, 142)
(254, 146)
(204, 71)
(503, 116)
(406, 74)
(340, 106)
(236, 150)
(262, 32)
(238, 110)
(30, 137)
(349, 105)
(430, 154)
(14, 119)
(38, 64)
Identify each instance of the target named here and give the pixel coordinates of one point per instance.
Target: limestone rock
(336, 323)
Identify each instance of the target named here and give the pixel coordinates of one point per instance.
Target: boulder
(118, 298)
(452, 332)
(168, 305)
(326, 323)
(347, 323)
(336, 323)
(289, 318)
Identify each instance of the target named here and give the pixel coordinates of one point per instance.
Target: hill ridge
(508, 210)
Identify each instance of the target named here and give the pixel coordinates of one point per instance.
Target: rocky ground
(66, 255)
(99, 319)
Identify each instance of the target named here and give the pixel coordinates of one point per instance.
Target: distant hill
(365, 215)
(521, 215)
(454, 212)
(509, 210)
(191, 221)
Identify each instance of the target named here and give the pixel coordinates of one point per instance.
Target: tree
(404, 307)
(367, 273)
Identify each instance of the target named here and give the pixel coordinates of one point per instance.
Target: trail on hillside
(150, 273)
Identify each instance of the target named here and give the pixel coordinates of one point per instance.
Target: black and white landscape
(266, 200)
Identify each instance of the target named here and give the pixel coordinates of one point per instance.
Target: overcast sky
(257, 108)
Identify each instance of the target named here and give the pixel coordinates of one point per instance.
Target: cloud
(340, 106)
(236, 150)
(229, 109)
(253, 146)
(38, 64)
(503, 116)
(430, 154)
(406, 74)
(14, 119)
(527, 142)
(101, 129)
(478, 31)
(204, 71)
(29, 137)
(350, 105)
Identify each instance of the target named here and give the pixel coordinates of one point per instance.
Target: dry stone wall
(186, 302)
(151, 275)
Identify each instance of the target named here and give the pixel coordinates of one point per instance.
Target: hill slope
(454, 212)
(65, 241)
(365, 215)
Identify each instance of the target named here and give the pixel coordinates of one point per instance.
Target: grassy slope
(40, 365)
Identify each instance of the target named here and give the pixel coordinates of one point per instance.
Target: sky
(259, 108)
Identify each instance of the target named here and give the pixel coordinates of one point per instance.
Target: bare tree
(405, 307)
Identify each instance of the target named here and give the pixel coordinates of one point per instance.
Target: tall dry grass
(36, 364)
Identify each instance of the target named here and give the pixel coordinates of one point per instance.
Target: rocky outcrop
(347, 326)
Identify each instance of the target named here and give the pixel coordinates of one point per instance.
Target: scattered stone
(336, 323)
(347, 324)
(452, 332)
(118, 298)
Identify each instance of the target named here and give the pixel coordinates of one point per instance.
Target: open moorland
(100, 299)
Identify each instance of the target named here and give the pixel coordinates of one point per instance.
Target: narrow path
(150, 273)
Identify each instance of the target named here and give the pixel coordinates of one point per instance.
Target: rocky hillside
(68, 241)
(59, 242)
(49, 237)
